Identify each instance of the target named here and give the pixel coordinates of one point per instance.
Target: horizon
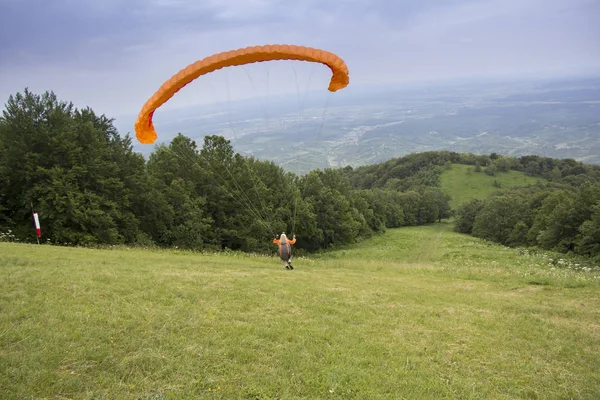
(112, 56)
(196, 121)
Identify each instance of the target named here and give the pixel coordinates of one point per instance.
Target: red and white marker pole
(37, 224)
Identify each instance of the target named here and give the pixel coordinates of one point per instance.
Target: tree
(502, 164)
(561, 228)
(498, 217)
(442, 203)
(533, 168)
(555, 174)
(335, 216)
(588, 240)
(491, 169)
(466, 214)
(73, 166)
(518, 235)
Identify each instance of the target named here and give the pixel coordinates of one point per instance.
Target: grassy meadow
(463, 184)
(416, 313)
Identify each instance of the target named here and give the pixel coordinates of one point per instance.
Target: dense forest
(562, 215)
(89, 188)
(556, 217)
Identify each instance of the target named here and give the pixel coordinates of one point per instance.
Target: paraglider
(144, 126)
(285, 249)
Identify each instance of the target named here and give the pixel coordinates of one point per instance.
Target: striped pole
(37, 224)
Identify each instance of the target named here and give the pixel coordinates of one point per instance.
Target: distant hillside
(462, 183)
(556, 119)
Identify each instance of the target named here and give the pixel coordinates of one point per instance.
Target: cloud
(112, 54)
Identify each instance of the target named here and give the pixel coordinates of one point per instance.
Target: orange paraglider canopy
(144, 128)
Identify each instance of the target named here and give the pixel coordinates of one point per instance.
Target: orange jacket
(285, 249)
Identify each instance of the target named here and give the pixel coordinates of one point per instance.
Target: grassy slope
(416, 313)
(463, 184)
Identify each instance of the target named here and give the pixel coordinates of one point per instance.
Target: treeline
(567, 171)
(88, 186)
(561, 215)
(554, 217)
(425, 168)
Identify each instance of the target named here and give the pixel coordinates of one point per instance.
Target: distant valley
(554, 118)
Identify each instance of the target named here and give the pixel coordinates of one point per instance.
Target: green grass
(415, 313)
(463, 184)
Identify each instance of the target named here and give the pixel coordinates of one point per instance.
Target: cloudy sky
(113, 54)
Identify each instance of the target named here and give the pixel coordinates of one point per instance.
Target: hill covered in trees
(89, 187)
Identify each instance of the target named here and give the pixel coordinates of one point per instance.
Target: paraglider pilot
(285, 249)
